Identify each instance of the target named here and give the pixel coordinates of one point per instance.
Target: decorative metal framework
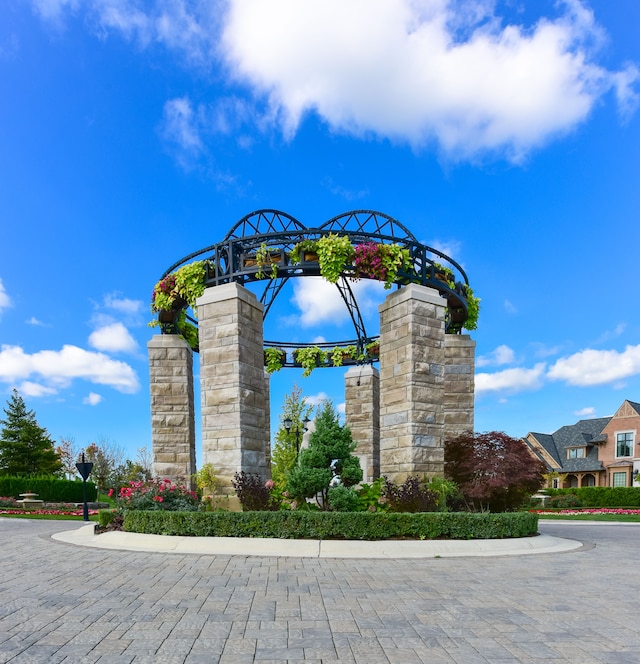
(234, 260)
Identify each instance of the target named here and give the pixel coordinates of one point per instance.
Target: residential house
(597, 452)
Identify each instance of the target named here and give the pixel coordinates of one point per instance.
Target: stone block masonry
(172, 408)
(459, 372)
(412, 361)
(234, 394)
(362, 412)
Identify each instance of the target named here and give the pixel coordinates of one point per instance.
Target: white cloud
(510, 380)
(53, 10)
(589, 411)
(320, 301)
(92, 399)
(5, 300)
(113, 338)
(316, 399)
(501, 355)
(419, 71)
(34, 321)
(181, 128)
(59, 368)
(29, 389)
(597, 367)
(123, 305)
(509, 307)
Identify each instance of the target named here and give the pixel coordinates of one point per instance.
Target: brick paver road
(60, 603)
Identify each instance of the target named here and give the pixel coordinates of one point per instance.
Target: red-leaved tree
(493, 471)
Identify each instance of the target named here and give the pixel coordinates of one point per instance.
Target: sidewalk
(258, 546)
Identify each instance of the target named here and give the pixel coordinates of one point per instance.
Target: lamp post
(287, 425)
(84, 468)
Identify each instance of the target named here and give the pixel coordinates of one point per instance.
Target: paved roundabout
(60, 602)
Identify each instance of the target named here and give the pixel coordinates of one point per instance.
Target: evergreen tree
(25, 447)
(327, 461)
(284, 453)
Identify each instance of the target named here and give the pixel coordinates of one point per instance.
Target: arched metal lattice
(234, 260)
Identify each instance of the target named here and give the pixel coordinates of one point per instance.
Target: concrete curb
(259, 546)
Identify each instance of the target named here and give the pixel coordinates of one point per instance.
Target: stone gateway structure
(406, 389)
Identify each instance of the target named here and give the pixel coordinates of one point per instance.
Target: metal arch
(372, 223)
(263, 222)
(354, 311)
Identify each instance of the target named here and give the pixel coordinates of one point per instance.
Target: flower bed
(602, 510)
(46, 512)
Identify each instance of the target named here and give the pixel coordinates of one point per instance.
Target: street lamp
(84, 468)
(287, 425)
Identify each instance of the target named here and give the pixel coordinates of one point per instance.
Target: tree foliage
(327, 460)
(284, 454)
(492, 470)
(25, 447)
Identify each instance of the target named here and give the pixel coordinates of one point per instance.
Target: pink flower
(158, 499)
(269, 484)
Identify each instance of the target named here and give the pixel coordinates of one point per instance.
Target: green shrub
(49, 489)
(565, 501)
(106, 517)
(334, 525)
(602, 496)
(343, 499)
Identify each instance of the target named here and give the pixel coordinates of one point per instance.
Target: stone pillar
(412, 360)
(362, 411)
(267, 425)
(172, 415)
(232, 384)
(459, 369)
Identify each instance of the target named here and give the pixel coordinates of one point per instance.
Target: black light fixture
(84, 468)
(288, 424)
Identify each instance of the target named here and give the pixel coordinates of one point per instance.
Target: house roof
(585, 433)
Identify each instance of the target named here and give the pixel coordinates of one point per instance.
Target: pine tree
(327, 461)
(25, 447)
(284, 454)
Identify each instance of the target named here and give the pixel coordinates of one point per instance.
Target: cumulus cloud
(113, 338)
(5, 300)
(421, 71)
(501, 355)
(58, 368)
(320, 302)
(597, 367)
(181, 129)
(92, 399)
(510, 380)
(29, 389)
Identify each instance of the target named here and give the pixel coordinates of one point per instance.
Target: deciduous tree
(492, 470)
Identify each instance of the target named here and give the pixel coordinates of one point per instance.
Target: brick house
(597, 452)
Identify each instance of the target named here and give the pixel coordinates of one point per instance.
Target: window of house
(619, 479)
(624, 444)
(555, 483)
(576, 453)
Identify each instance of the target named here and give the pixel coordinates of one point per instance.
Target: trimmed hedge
(49, 489)
(602, 496)
(334, 525)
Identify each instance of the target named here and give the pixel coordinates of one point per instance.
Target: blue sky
(135, 132)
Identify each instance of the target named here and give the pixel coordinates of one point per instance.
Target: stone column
(172, 415)
(362, 411)
(412, 360)
(267, 425)
(232, 384)
(459, 369)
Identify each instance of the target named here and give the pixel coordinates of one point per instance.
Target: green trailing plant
(340, 353)
(473, 309)
(184, 286)
(373, 348)
(445, 274)
(296, 255)
(264, 258)
(309, 358)
(274, 358)
(335, 252)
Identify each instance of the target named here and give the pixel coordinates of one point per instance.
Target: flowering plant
(180, 288)
(156, 494)
(380, 261)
